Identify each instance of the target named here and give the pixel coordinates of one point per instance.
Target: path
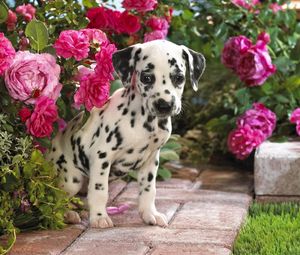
(205, 212)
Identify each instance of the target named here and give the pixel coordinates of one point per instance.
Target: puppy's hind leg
(71, 182)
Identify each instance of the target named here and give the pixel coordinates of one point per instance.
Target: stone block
(277, 169)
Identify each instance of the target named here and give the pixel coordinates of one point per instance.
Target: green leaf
(37, 33)
(133, 174)
(116, 84)
(169, 155)
(3, 12)
(164, 173)
(89, 3)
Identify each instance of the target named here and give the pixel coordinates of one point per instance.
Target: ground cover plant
(270, 229)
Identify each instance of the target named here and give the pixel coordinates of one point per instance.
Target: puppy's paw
(101, 222)
(72, 217)
(154, 218)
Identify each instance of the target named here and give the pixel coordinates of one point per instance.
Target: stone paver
(188, 249)
(46, 242)
(226, 179)
(209, 215)
(132, 218)
(201, 221)
(276, 169)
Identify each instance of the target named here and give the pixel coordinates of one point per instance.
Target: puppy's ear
(124, 62)
(195, 64)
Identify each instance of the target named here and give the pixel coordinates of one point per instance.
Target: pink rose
(128, 23)
(295, 116)
(243, 140)
(24, 114)
(139, 5)
(7, 53)
(160, 24)
(264, 37)
(245, 4)
(95, 36)
(275, 7)
(27, 11)
(104, 67)
(72, 43)
(40, 123)
(11, 21)
(234, 47)
(31, 75)
(154, 35)
(260, 118)
(93, 91)
(255, 66)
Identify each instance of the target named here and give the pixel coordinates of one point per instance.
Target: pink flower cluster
(250, 4)
(94, 84)
(7, 53)
(253, 127)
(159, 28)
(113, 21)
(252, 63)
(126, 22)
(295, 118)
(139, 5)
(27, 11)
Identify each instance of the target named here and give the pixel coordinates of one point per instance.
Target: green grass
(270, 229)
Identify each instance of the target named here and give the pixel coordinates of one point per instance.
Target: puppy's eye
(178, 79)
(147, 78)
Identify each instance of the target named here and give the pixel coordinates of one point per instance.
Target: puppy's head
(158, 70)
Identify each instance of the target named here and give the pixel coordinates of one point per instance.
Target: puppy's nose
(163, 107)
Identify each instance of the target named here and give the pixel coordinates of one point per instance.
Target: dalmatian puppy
(129, 130)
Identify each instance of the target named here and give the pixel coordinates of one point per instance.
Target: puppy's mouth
(163, 108)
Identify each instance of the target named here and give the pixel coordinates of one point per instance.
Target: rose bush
(252, 50)
(56, 60)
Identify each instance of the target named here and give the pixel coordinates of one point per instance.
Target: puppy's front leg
(147, 192)
(98, 194)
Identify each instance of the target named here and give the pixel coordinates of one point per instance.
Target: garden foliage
(269, 52)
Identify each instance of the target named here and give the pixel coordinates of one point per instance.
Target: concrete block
(277, 169)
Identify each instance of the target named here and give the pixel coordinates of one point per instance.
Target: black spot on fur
(144, 148)
(119, 173)
(132, 97)
(130, 151)
(136, 164)
(101, 112)
(98, 186)
(106, 128)
(75, 159)
(162, 124)
(125, 111)
(53, 149)
(150, 118)
(145, 57)
(147, 189)
(150, 66)
(156, 162)
(118, 137)
(108, 139)
(137, 56)
(61, 160)
(148, 127)
(97, 133)
(143, 110)
(172, 62)
(120, 106)
(65, 170)
(167, 91)
(66, 180)
(132, 122)
(155, 140)
(164, 81)
(75, 180)
(150, 177)
(99, 214)
(144, 94)
(105, 165)
(102, 154)
(128, 164)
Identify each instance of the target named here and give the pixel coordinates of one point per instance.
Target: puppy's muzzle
(163, 108)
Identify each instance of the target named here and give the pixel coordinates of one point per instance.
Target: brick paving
(205, 210)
